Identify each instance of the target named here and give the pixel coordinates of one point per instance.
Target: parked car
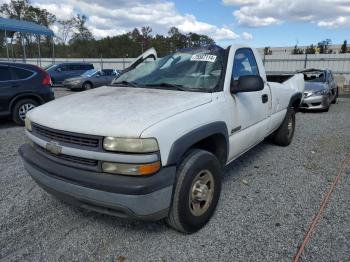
(320, 89)
(22, 88)
(61, 72)
(91, 79)
(154, 146)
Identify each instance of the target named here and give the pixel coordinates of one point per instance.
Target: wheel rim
(24, 109)
(201, 194)
(290, 127)
(87, 86)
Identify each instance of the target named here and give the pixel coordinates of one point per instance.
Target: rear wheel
(87, 86)
(21, 108)
(335, 98)
(283, 136)
(196, 192)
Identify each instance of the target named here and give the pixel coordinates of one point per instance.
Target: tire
(87, 86)
(283, 136)
(335, 98)
(21, 108)
(188, 215)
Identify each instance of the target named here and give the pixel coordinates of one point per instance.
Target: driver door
(249, 109)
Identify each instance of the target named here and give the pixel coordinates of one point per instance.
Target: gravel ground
(268, 199)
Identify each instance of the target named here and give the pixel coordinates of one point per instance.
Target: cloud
(247, 36)
(111, 17)
(324, 13)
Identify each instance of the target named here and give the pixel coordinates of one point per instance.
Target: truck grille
(74, 159)
(65, 137)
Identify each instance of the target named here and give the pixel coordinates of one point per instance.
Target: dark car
(91, 79)
(61, 72)
(22, 87)
(320, 89)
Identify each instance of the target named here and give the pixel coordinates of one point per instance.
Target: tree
(310, 50)
(344, 48)
(145, 37)
(65, 30)
(297, 50)
(324, 46)
(81, 31)
(267, 51)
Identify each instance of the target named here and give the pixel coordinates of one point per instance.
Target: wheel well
(88, 81)
(17, 99)
(215, 144)
(296, 103)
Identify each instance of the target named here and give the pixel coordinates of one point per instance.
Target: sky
(259, 23)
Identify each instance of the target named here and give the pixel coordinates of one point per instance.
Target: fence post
(305, 62)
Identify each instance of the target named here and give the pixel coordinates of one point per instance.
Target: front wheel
(87, 86)
(336, 97)
(20, 110)
(196, 192)
(283, 136)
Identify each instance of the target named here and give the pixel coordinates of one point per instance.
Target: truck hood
(115, 111)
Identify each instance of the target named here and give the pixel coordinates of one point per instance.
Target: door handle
(15, 85)
(264, 98)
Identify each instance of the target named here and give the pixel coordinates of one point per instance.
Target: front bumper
(315, 102)
(72, 86)
(146, 198)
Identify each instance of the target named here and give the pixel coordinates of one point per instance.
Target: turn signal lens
(131, 169)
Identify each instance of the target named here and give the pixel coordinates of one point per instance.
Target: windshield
(49, 66)
(90, 72)
(315, 76)
(193, 70)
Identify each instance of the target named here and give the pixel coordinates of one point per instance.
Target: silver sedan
(320, 89)
(91, 79)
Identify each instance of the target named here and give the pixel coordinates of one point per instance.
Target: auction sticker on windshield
(204, 58)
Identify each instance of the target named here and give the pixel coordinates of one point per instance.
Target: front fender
(182, 144)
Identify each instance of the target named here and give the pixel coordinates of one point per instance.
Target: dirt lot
(268, 200)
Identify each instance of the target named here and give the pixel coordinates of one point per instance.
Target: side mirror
(251, 83)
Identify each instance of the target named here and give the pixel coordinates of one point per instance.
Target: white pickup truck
(153, 144)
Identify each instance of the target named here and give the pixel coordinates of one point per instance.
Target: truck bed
(278, 78)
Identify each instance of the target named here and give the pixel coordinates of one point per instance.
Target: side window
(21, 73)
(107, 72)
(63, 68)
(5, 74)
(244, 64)
(88, 67)
(75, 67)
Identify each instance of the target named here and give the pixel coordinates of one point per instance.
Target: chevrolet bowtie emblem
(54, 148)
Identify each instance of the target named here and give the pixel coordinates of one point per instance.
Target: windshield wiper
(177, 87)
(125, 83)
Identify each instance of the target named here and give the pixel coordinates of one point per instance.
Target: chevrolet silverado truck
(152, 145)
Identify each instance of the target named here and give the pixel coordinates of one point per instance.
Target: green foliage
(344, 48)
(324, 46)
(297, 51)
(74, 39)
(267, 51)
(311, 50)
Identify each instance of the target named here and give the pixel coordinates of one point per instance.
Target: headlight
(28, 124)
(130, 145)
(131, 169)
(321, 92)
